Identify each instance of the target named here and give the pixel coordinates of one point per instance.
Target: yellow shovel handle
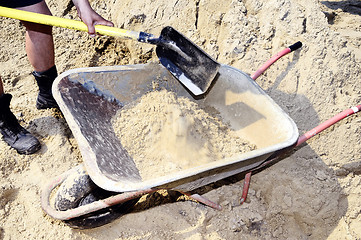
(65, 23)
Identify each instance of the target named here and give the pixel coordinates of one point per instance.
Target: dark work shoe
(13, 133)
(45, 82)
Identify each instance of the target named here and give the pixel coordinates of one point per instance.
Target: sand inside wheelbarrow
(164, 133)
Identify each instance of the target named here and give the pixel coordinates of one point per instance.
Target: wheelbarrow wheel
(78, 190)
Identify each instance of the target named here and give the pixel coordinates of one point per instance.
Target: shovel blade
(194, 68)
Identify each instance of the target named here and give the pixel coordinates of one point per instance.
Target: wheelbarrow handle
(274, 58)
(313, 132)
(72, 24)
(295, 46)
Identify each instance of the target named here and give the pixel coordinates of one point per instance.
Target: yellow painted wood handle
(66, 23)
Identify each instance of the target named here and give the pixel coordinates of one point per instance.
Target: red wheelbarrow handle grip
(273, 59)
(327, 124)
(323, 125)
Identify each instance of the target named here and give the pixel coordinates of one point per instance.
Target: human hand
(89, 16)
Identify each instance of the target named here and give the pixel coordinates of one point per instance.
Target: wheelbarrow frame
(125, 196)
(90, 97)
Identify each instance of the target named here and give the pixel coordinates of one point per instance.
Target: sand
(312, 193)
(165, 134)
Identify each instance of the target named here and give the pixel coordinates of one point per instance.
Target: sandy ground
(313, 193)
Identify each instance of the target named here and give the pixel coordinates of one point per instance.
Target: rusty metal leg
(247, 180)
(203, 200)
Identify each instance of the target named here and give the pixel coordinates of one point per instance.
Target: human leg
(39, 40)
(12, 132)
(1, 87)
(40, 52)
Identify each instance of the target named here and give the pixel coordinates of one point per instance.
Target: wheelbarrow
(90, 97)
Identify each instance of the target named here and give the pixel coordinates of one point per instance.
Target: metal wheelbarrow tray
(90, 97)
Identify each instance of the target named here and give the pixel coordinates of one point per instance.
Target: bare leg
(39, 40)
(40, 51)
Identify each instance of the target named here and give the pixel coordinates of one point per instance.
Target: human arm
(89, 16)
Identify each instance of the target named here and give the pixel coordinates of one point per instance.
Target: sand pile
(165, 133)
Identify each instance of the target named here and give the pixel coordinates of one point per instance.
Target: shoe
(13, 133)
(45, 81)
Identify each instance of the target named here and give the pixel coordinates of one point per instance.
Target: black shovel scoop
(194, 68)
(186, 61)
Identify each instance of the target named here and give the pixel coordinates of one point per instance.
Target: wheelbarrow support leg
(203, 200)
(247, 181)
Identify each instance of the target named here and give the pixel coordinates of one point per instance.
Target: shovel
(194, 68)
